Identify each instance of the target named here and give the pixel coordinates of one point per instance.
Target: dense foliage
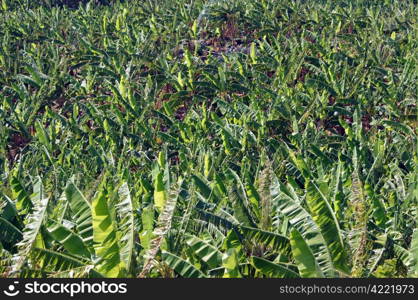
(210, 138)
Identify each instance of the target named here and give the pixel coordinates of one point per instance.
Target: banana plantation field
(208, 138)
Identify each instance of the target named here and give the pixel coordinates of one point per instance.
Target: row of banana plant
(195, 138)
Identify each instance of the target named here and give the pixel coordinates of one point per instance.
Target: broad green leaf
(105, 241)
(273, 240)
(81, 212)
(23, 202)
(71, 241)
(9, 233)
(230, 262)
(305, 260)
(32, 229)
(414, 253)
(125, 210)
(160, 194)
(290, 206)
(205, 251)
(325, 219)
(146, 234)
(181, 266)
(272, 270)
